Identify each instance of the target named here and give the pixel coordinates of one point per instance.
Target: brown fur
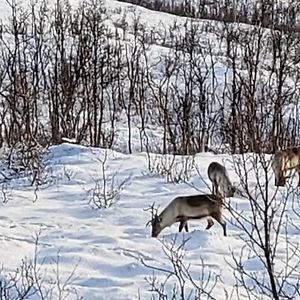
(182, 209)
(193, 201)
(283, 161)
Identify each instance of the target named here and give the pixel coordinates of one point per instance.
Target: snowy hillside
(101, 65)
(139, 98)
(101, 249)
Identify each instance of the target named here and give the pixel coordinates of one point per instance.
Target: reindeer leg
(218, 217)
(224, 228)
(186, 227)
(280, 179)
(181, 225)
(210, 223)
(298, 169)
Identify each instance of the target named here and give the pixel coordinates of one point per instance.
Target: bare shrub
(18, 285)
(24, 162)
(31, 279)
(177, 281)
(107, 189)
(265, 231)
(171, 167)
(6, 191)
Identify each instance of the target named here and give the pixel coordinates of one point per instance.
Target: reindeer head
(155, 220)
(230, 191)
(156, 226)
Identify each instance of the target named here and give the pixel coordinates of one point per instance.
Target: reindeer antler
(153, 211)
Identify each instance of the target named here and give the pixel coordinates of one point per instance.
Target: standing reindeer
(182, 209)
(283, 161)
(221, 184)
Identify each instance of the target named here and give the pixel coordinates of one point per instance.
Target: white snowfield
(101, 249)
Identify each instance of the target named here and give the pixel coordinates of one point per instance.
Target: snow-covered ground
(103, 248)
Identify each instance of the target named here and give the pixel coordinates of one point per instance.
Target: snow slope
(103, 248)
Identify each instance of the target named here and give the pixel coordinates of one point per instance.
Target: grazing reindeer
(221, 184)
(182, 209)
(283, 161)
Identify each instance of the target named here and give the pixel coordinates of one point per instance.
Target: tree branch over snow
(265, 232)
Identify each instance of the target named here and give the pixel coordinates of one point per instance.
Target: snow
(104, 246)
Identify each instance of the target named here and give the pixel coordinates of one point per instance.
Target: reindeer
(184, 208)
(283, 161)
(221, 184)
